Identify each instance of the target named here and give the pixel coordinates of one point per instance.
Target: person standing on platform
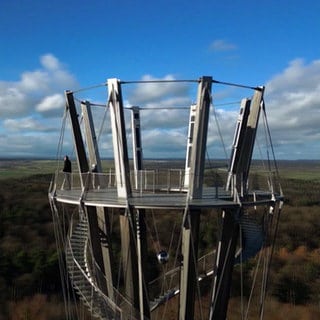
(67, 174)
(95, 177)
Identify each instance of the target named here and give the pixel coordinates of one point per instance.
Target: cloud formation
(221, 45)
(151, 91)
(51, 103)
(28, 124)
(27, 106)
(293, 101)
(34, 88)
(32, 108)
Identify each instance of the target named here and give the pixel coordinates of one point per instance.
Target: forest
(30, 283)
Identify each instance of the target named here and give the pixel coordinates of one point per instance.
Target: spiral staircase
(99, 305)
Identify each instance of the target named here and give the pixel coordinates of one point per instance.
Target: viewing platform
(151, 189)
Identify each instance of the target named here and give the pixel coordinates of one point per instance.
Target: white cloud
(292, 103)
(23, 124)
(164, 116)
(160, 143)
(292, 99)
(221, 45)
(29, 109)
(50, 62)
(303, 77)
(49, 103)
(34, 88)
(152, 91)
(293, 111)
(28, 144)
(34, 82)
(12, 100)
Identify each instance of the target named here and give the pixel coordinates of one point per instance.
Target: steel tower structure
(90, 259)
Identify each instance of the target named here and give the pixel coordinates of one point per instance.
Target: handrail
(170, 285)
(149, 180)
(110, 303)
(141, 180)
(176, 269)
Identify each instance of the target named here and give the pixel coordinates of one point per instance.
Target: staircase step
(77, 245)
(86, 292)
(79, 235)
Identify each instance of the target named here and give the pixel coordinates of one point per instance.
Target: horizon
(158, 159)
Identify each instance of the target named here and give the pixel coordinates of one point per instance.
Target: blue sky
(50, 46)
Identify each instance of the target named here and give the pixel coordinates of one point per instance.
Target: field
(10, 168)
(29, 274)
(303, 170)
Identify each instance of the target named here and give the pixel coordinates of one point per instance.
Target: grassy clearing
(300, 170)
(24, 168)
(15, 169)
(305, 174)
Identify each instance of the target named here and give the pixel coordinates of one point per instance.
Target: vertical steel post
(193, 109)
(199, 144)
(142, 248)
(102, 224)
(121, 160)
(240, 161)
(91, 139)
(77, 138)
(190, 229)
(132, 262)
(224, 265)
(237, 147)
(136, 143)
(250, 136)
(90, 211)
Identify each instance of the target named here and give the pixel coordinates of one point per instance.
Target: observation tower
(147, 239)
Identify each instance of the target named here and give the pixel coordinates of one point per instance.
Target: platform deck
(211, 198)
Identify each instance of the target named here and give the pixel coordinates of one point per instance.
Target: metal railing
(141, 180)
(168, 284)
(80, 272)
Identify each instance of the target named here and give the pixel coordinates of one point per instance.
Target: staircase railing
(98, 303)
